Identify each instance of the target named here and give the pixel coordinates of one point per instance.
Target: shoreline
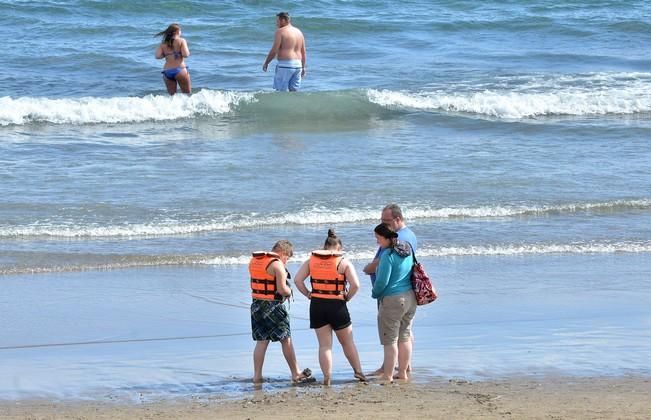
(516, 397)
(154, 332)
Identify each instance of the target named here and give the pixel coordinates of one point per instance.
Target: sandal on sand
(360, 376)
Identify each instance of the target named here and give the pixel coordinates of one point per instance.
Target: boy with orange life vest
(269, 316)
(329, 275)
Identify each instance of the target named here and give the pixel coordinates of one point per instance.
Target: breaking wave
(311, 216)
(505, 98)
(506, 250)
(596, 94)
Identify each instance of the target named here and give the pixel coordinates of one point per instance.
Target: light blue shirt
(407, 235)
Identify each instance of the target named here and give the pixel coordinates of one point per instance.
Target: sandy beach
(515, 398)
(513, 135)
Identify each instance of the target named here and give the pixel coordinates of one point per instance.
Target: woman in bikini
(174, 50)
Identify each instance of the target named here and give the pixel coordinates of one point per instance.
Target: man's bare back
(291, 43)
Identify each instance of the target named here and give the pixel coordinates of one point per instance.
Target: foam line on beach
(484, 250)
(538, 249)
(496, 250)
(310, 216)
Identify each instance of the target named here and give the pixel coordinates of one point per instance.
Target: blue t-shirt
(406, 235)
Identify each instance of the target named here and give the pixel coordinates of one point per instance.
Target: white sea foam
(494, 250)
(477, 250)
(517, 211)
(537, 249)
(91, 110)
(515, 98)
(311, 216)
(598, 94)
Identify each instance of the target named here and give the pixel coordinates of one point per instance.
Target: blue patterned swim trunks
(269, 320)
(288, 75)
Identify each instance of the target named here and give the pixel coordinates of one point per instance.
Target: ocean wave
(507, 97)
(494, 250)
(345, 105)
(537, 249)
(477, 250)
(523, 210)
(92, 110)
(306, 217)
(598, 94)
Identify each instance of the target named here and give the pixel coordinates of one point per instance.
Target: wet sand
(514, 398)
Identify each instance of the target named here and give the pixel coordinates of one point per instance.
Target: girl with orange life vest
(269, 316)
(329, 274)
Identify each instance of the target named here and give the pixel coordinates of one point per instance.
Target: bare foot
(258, 381)
(379, 371)
(385, 381)
(360, 376)
(326, 381)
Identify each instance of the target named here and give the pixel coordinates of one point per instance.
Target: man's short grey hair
(395, 211)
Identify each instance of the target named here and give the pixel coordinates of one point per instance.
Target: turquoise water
(515, 135)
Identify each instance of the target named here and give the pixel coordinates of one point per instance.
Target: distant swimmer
(174, 50)
(289, 49)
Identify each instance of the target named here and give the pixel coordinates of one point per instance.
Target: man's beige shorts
(395, 316)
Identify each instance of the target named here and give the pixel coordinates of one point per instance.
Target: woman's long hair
(168, 34)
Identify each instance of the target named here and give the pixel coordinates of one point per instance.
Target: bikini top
(176, 54)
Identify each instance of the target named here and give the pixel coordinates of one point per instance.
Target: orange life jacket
(327, 282)
(263, 284)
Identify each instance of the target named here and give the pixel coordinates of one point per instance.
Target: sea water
(514, 135)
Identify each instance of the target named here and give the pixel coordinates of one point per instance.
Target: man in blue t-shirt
(393, 218)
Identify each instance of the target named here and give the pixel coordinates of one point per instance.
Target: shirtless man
(289, 49)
